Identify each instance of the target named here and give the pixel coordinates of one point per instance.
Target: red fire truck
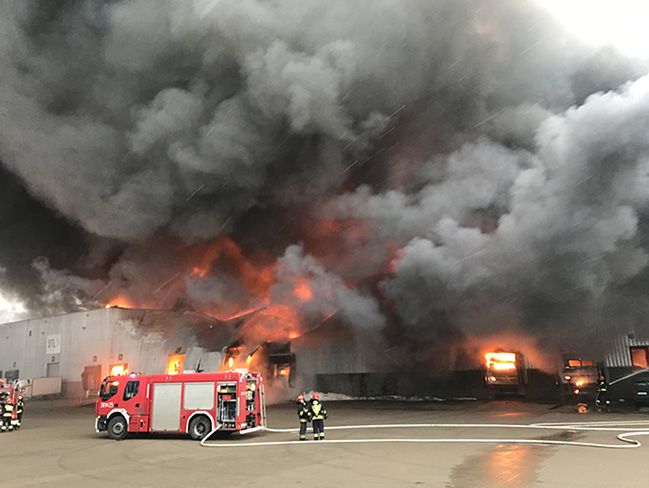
(192, 403)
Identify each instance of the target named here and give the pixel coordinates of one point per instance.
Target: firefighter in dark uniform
(304, 414)
(318, 416)
(7, 412)
(3, 401)
(601, 399)
(20, 405)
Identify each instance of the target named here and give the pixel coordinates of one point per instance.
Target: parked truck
(578, 379)
(191, 403)
(505, 373)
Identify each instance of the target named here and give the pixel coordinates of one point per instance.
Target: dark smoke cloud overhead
(430, 168)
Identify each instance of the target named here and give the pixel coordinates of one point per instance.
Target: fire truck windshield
(108, 390)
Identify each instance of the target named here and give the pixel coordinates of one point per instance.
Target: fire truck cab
(191, 403)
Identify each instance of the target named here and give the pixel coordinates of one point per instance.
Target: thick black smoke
(429, 166)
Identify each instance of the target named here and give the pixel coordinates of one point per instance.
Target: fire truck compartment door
(199, 396)
(165, 414)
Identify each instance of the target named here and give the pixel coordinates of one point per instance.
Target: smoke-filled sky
(419, 169)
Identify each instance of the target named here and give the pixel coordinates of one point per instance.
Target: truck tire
(199, 427)
(117, 428)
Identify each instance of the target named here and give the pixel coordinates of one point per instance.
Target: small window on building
(639, 356)
(131, 389)
(30, 333)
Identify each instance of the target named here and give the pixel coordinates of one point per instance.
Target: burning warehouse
(82, 348)
(229, 158)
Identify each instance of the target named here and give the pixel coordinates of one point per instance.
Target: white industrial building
(81, 348)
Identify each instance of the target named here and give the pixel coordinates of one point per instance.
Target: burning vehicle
(579, 378)
(505, 373)
(193, 403)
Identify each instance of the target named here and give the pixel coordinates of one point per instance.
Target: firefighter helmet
(300, 398)
(315, 396)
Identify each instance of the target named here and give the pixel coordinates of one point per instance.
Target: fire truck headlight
(491, 379)
(567, 378)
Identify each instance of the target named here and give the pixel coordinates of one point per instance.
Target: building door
(52, 370)
(91, 377)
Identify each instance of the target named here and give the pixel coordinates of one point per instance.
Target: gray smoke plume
(432, 168)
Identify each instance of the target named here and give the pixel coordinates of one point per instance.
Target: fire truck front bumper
(100, 423)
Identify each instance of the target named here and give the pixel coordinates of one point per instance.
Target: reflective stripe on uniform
(316, 408)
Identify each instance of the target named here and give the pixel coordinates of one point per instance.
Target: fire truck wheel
(199, 427)
(117, 428)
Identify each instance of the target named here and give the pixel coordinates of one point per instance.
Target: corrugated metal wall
(329, 355)
(618, 354)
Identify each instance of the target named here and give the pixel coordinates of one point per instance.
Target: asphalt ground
(58, 446)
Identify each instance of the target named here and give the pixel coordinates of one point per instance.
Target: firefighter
(601, 399)
(318, 416)
(304, 414)
(3, 401)
(7, 413)
(20, 405)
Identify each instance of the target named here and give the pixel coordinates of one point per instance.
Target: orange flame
(120, 301)
(118, 369)
(302, 290)
(175, 363)
(200, 272)
(263, 318)
(501, 361)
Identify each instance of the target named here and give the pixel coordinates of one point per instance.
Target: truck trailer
(191, 403)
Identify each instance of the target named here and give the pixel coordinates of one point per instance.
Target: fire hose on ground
(626, 437)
